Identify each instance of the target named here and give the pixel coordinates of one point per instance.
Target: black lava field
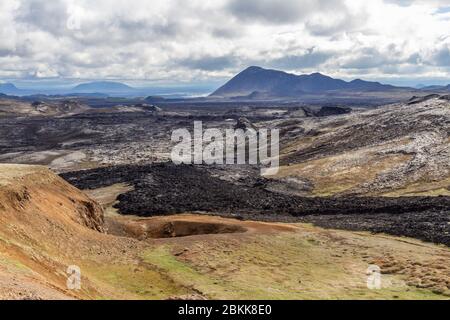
(163, 189)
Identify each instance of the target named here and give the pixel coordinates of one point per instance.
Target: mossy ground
(284, 266)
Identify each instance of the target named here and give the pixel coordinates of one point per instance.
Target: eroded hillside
(401, 149)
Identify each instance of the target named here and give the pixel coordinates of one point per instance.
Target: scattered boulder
(154, 99)
(324, 111)
(148, 107)
(298, 112)
(245, 124)
(332, 111)
(37, 103)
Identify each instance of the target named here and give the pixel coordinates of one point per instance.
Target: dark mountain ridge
(257, 80)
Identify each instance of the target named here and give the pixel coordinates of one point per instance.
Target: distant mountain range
(258, 81)
(254, 83)
(109, 88)
(437, 88)
(102, 88)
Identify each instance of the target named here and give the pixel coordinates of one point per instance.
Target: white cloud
(180, 40)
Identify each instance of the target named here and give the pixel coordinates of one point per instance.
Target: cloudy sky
(207, 41)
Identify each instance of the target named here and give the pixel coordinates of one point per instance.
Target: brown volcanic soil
(39, 212)
(172, 227)
(37, 189)
(47, 225)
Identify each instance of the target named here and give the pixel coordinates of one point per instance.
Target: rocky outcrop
(148, 107)
(332, 111)
(417, 99)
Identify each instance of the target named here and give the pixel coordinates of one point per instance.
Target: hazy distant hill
(103, 86)
(9, 88)
(256, 80)
(437, 88)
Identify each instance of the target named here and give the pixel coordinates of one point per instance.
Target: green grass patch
(284, 266)
(135, 281)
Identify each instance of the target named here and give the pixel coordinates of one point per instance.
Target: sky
(205, 42)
